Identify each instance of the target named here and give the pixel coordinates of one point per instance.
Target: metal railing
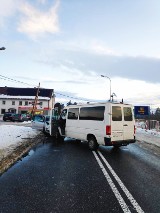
(149, 124)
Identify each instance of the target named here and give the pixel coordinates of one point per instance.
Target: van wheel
(92, 144)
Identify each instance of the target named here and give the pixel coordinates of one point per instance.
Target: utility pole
(104, 76)
(35, 101)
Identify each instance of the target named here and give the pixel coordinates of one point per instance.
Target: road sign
(141, 110)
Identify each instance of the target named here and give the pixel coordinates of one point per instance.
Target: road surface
(67, 177)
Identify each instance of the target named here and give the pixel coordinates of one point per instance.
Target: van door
(116, 123)
(128, 123)
(62, 122)
(72, 123)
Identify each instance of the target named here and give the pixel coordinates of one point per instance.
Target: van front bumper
(108, 142)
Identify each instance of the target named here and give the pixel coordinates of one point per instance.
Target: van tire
(92, 144)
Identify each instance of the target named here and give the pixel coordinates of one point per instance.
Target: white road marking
(112, 185)
(125, 190)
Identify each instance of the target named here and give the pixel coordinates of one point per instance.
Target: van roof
(99, 103)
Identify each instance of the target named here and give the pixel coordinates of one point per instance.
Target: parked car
(38, 122)
(41, 122)
(20, 117)
(29, 117)
(46, 125)
(8, 116)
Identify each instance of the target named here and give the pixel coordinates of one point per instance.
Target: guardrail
(148, 124)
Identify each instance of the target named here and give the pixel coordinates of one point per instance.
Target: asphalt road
(67, 177)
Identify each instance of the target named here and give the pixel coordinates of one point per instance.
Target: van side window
(92, 113)
(127, 114)
(116, 113)
(73, 113)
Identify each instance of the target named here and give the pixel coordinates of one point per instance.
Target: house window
(3, 102)
(3, 111)
(26, 103)
(13, 102)
(20, 103)
(41, 103)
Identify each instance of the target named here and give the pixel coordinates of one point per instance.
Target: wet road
(68, 177)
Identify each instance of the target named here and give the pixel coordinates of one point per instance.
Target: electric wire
(17, 81)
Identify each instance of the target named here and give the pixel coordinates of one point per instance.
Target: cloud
(41, 1)
(64, 82)
(8, 8)
(35, 23)
(89, 63)
(102, 49)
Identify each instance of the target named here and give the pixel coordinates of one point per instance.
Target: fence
(149, 124)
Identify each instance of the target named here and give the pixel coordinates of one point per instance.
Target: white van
(108, 124)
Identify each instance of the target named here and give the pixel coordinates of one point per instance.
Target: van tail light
(134, 129)
(108, 130)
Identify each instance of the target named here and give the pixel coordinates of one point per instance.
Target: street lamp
(2, 48)
(104, 76)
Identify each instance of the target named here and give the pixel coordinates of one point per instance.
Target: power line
(71, 97)
(11, 79)
(17, 81)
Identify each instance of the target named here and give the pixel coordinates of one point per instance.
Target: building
(21, 100)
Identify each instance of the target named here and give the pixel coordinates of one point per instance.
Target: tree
(70, 103)
(157, 114)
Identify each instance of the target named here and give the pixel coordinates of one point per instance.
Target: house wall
(19, 108)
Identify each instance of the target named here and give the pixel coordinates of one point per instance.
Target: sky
(67, 45)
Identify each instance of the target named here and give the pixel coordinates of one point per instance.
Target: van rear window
(127, 114)
(92, 113)
(116, 113)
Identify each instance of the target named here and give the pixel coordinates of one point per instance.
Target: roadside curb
(149, 143)
(18, 152)
(150, 138)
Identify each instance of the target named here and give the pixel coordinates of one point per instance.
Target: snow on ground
(12, 136)
(148, 136)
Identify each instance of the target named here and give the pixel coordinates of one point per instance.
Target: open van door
(54, 128)
(116, 123)
(51, 122)
(128, 123)
(122, 124)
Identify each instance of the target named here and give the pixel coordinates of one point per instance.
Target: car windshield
(38, 118)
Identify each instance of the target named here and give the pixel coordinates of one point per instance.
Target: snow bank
(10, 134)
(148, 136)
